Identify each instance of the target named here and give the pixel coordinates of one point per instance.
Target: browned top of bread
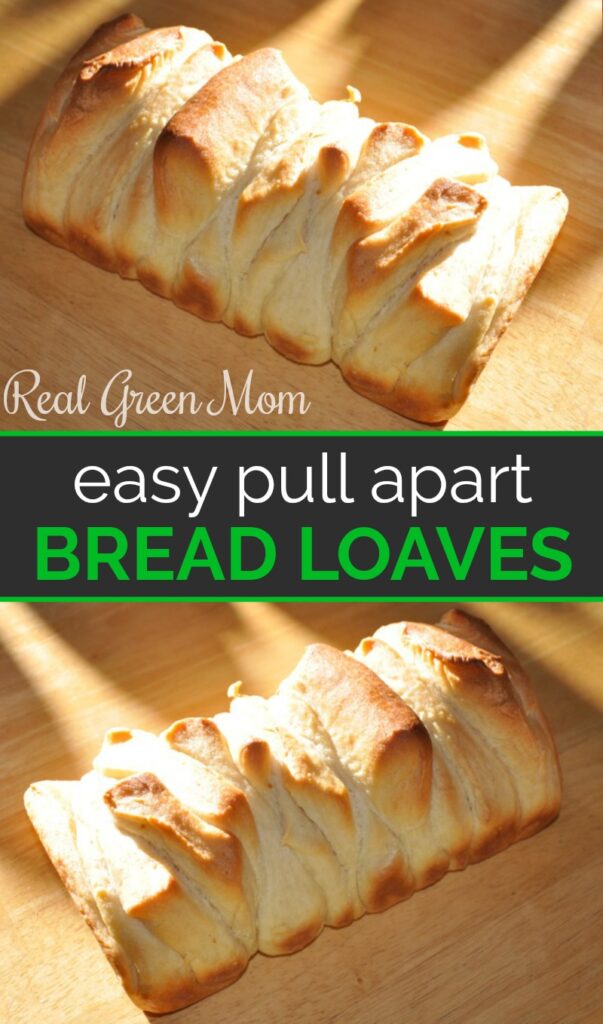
(220, 183)
(364, 777)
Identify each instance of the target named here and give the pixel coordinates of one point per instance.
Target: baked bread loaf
(221, 184)
(365, 777)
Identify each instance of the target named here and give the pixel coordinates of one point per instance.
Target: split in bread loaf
(221, 184)
(365, 777)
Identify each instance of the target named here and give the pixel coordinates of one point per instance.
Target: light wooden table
(516, 938)
(525, 72)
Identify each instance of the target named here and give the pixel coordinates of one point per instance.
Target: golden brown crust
(476, 630)
(444, 207)
(303, 937)
(106, 36)
(171, 999)
(196, 149)
(428, 747)
(256, 761)
(391, 140)
(145, 797)
(452, 648)
(104, 78)
(371, 724)
(333, 167)
(290, 347)
(241, 326)
(187, 729)
(46, 805)
(387, 145)
(390, 886)
(306, 774)
(414, 404)
(489, 714)
(227, 807)
(422, 403)
(56, 833)
(424, 752)
(197, 295)
(217, 200)
(132, 55)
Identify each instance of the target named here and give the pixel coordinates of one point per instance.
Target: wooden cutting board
(516, 938)
(525, 74)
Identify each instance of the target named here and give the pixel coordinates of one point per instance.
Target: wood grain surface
(516, 938)
(524, 72)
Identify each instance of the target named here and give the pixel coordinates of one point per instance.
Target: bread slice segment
(362, 779)
(222, 185)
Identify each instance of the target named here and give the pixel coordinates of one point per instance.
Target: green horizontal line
(300, 433)
(232, 599)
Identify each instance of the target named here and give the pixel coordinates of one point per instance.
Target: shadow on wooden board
(582, 236)
(457, 44)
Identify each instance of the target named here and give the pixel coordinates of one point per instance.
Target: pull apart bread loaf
(220, 183)
(365, 777)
